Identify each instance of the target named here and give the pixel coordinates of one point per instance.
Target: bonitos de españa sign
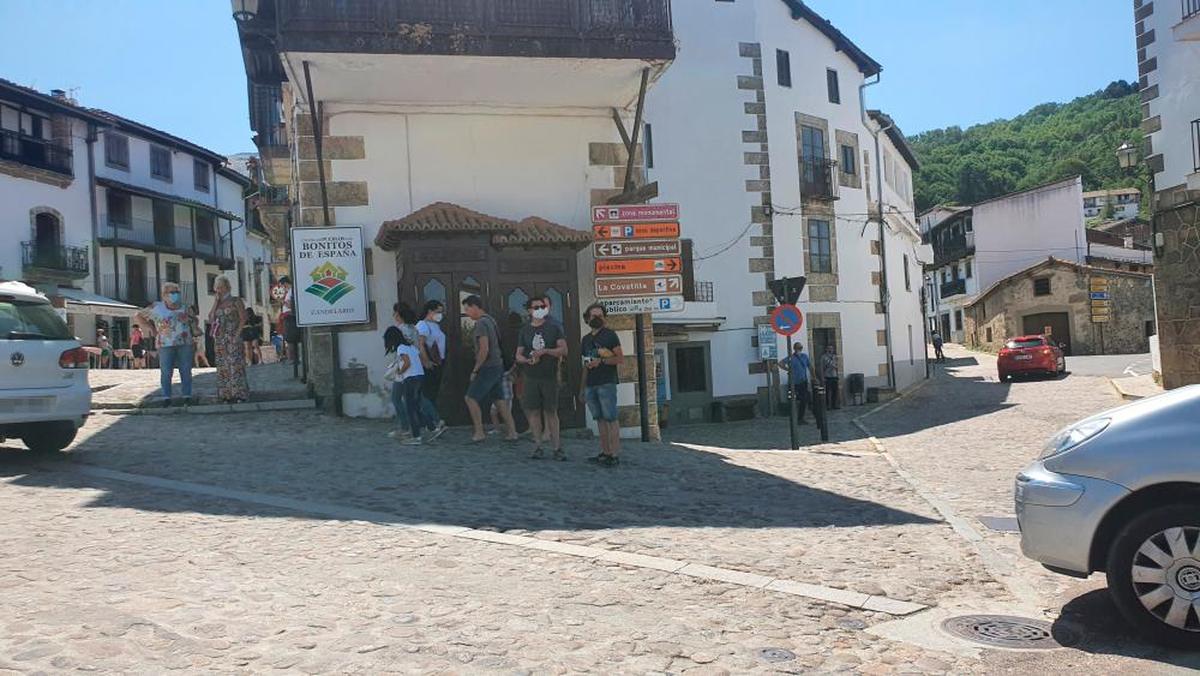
(330, 279)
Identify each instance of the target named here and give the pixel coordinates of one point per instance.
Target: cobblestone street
(306, 543)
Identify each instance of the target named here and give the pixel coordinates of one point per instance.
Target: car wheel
(49, 437)
(1004, 377)
(1062, 365)
(1154, 574)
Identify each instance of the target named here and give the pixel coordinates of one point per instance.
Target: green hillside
(1050, 142)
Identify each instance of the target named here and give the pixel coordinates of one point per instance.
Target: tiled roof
(442, 218)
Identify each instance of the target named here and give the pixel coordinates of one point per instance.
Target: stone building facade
(1056, 293)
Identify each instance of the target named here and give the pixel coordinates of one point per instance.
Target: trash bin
(855, 385)
(872, 395)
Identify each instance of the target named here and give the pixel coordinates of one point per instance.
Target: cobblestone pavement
(127, 388)
(114, 576)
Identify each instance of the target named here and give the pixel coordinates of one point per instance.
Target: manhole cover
(1005, 631)
(776, 655)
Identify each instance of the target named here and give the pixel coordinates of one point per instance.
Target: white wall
(495, 162)
(1120, 253)
(1012, 233)
(1178, 101)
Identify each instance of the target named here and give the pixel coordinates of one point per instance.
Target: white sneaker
(399, 435)
(412, 441)
(437, 431)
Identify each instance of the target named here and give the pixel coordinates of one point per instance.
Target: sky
(176, 64)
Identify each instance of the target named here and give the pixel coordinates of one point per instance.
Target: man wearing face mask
(540, 346)
(432, 345)
(602, 353)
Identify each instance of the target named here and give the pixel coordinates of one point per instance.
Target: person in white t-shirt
(405, 370)
(432, 346)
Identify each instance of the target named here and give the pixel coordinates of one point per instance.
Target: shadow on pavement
(1095, 620)
(349, 462)
(958, 397)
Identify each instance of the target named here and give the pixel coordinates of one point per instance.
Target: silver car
(1119, 492)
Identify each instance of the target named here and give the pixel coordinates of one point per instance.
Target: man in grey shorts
(540, 348)
(488, 369)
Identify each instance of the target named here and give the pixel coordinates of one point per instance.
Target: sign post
(639, 270)
(787, 320)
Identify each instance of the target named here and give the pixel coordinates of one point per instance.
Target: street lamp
(1127, 156)
(245, 10)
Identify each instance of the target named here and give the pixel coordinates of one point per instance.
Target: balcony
(69, 262)
(957, 287)
(35, 152)
(141, 291)
(818, 179)
(274, 195)
(1188, 29)
(145, 234)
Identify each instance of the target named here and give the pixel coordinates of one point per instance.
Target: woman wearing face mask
(171, 322)
(433, 357)
(228, 318)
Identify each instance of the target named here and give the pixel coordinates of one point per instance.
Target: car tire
(1004, 377)
(50, 437)
(1138, 600)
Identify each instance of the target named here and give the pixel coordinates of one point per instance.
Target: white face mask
(541, 313)
(437, 317)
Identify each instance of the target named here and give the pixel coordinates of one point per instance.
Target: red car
(1030, 354)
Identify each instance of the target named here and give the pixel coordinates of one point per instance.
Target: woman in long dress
(228, 318)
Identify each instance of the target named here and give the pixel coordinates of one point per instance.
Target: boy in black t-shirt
(601, 349)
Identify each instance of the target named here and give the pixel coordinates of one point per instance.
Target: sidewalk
(1136, 387)
(139, 388)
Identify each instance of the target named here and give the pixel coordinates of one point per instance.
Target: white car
(44, 392)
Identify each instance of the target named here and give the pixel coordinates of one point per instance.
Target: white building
(758, 131)
(975, 247)
(1118, 203)
(114, 208)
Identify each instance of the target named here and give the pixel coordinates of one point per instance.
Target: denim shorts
(485, 388)
(602, 401)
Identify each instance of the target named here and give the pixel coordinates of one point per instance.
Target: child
(406, 374)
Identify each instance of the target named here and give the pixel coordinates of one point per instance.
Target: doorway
(1058, 323)
(691, 381)
(135, 280)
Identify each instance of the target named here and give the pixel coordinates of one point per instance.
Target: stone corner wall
(1178, 293)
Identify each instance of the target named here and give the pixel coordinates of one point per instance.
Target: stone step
(209, 409)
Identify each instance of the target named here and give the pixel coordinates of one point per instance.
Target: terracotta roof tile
(447, 218)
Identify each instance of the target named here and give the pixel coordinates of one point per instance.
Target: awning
(672, 323)
(80, 302)
(167, 197)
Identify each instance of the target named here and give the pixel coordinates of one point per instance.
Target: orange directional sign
(640, 248)
(636, 231)
(657, 285)
(637, 266)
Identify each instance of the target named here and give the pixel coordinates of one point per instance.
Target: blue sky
(176, 65)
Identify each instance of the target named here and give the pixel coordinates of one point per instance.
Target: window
(831, 82)
(204, 227)
(200, 175)
(848, 156)
(1041, 286)
(691, 369)
(958, 323)
(812, 143)
(907, 278)
(120, 209)
(172, 272)
(241, 273)
(783, 67)
(954, 272)
(1150, 328)
(819, 257)
(648, 145)
(212, 283)
(988, 333)
(160, 163)
(968, 266)
(116, 150)
(967, 224)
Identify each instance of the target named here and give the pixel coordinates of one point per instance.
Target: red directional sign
(636, 231)
(635, 213)
(787, 320)
(638, 266)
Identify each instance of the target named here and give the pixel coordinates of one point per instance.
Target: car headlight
(1073, 436)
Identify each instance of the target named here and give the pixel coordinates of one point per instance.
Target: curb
(210, 409)
(1128, 396)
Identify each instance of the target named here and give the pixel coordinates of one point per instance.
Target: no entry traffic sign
(787, 320)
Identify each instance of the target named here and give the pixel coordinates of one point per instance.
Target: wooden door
(1059, 324)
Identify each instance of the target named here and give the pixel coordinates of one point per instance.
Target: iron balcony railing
(1190, 8)
(274, 195)
(818, 178)
(142, 291)
(954, 288)
(563, 28)
(68, 259)
(35, 152)
(177, 239)
(703, 292)
(1196, 142)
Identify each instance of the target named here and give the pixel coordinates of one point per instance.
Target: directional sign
(1099, 304)
(1099, 283)
(636, 231)
(640, 304)
(643, 248)
(659, 285)
(787, 320)
(638, 266)
(1099, 295)
(635, 213)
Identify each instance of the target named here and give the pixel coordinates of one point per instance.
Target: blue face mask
(173, 297)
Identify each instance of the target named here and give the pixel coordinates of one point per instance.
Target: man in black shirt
(602, 353)
(540, 347)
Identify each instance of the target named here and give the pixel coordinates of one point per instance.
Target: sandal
(537, 454)
(559, 455)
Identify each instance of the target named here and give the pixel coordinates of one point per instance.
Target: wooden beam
(621, 128)
(637, 128)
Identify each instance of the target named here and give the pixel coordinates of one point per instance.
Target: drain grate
(776, 655)
(1005, 631)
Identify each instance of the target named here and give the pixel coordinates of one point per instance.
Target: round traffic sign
(787, 320)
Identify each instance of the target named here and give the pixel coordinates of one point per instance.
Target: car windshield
(1024, 342)
(30, 320)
